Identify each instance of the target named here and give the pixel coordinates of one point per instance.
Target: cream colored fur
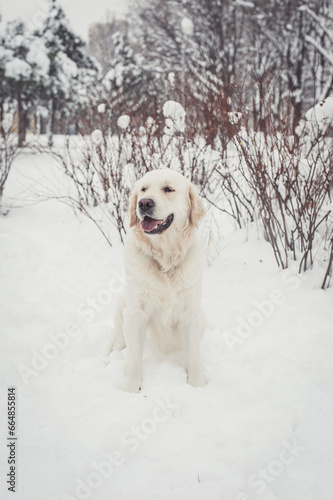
(163, 271)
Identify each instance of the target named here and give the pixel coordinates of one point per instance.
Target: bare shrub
(96, 164)
(275, 178)
(284, 181)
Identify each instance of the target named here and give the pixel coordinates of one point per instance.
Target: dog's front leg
(135, 332)
(194, 369)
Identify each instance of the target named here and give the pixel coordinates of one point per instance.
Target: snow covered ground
(260, 429)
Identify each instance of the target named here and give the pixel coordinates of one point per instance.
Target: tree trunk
(51, 121)
(21, 116)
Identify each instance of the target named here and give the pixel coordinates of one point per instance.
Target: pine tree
(69, 64)
(132, 84)
(24, 66)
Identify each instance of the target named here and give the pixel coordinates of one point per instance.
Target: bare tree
(8, 149)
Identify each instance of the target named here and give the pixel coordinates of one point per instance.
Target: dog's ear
(197, 210)
(132, 207)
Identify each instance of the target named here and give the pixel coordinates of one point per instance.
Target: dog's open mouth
(154, 226)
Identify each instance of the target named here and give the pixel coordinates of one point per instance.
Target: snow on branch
(320, 49)
(328, 32)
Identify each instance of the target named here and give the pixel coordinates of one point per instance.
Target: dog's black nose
(145, 204)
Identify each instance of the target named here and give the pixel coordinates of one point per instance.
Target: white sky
(81, 13)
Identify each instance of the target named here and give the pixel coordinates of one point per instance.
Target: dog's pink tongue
(148, 224)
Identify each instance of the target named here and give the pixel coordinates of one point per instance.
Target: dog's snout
(146, 204)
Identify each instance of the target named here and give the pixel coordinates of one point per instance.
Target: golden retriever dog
(163, 260)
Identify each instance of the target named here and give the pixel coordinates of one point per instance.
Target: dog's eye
(144, 189)
(168, 189)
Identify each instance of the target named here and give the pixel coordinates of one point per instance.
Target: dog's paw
(197, 379)
(132, 386)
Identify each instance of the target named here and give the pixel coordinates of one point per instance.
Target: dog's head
(164, 200)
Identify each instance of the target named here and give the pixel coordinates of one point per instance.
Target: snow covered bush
(103, 167)
(98, 167)
(278, 180)
(285, 182)
(175, 117)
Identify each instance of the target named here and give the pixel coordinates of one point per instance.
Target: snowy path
(260, 429)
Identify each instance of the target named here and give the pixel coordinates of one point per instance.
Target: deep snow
(260, 429)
